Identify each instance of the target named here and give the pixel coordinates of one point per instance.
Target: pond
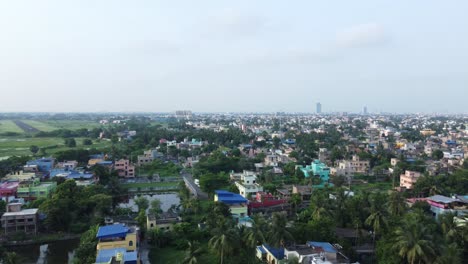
(167, 200)
(60, 252)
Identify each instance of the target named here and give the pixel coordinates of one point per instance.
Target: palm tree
(278, 234)
(295, 201)
(377, 221)
(451, 254)
(396, 204)
(414, 242)
(449, 227)
(224, 239)
(194, 252)
(255, 234)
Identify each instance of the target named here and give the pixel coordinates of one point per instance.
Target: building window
(130, 243)
(152, 225)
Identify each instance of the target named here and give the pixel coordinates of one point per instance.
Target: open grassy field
(50, 125)
(9, 126)
(18, 146)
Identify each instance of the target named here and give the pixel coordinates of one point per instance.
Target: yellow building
(118, 236)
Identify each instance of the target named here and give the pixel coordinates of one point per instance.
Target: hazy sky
(96, 55)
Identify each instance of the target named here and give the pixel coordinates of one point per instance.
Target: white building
(351, 167)
(247, 185)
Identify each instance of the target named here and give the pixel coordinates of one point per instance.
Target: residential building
(17, 219)
(236, 202)
(118, 236)
(8, 188)
(68, 165)
(163, 222)
(124, 168)
(272, 160)
(442, 204)
(44, 164)
(352, 167)
(304, 191)
(270, 254)
(20, 176)
(247, 185)
(148, 156)
(317, 168)
(117, 256)
(408, 179)
(32, 190)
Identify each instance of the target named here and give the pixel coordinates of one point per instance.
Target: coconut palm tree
(396, 204)
(224, 240)
(451, 254)
(449, 227)
(255, 234)
(278, 234)
(377, 220)
(193, 252)
(414, 242)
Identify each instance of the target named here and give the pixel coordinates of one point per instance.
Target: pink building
(8, 189)
(408, 179)
(125, 169)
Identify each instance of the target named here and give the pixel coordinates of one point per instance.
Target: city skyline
(113, 56)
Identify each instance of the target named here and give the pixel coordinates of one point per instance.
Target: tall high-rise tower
(364, 110)
(318, 108)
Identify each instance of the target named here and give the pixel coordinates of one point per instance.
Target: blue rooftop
(105, 255)
(327, 247)
(105, 162)
(77, 175)
(229, 197)
(277, 252)
(261, 249)
(111, 231)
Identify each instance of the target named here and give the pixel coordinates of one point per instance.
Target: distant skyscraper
(364, 111)
(318, 108)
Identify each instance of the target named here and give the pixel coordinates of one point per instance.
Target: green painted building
(33, 190)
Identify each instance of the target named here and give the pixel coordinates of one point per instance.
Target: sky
(234, 56)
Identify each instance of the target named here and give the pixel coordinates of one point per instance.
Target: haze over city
(242, 56)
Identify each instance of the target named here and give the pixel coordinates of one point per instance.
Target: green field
(50, 125)
(18, 146)
(9, 126)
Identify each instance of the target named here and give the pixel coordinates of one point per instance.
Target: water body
(167, 200)
(60, 252)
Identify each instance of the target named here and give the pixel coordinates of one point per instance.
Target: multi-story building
(352, 167)
(17, 219)
(247, 185)
(317, 168)
(68, 165)
(124, 168)
(408, 179)
(32, 190)
(236, 202)
(8, 189)
(118, 241)
(272, 160)
(44, 164)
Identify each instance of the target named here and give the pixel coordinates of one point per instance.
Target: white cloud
(363, 35)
